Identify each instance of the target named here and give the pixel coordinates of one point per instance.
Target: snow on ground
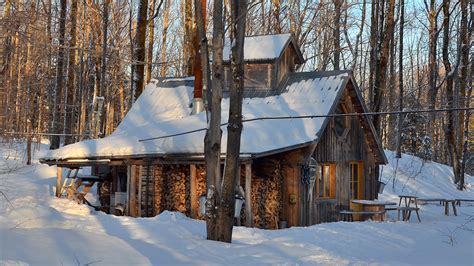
(38, 229)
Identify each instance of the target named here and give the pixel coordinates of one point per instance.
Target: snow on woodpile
(260, 47)
(311, 96)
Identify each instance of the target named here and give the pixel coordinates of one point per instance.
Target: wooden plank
(248, 196)
(59, 177)
(292, 186)
(193, 191)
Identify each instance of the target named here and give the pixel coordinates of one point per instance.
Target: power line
(318, 116)
(41, 134)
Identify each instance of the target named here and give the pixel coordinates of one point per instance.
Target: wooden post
(139, 197)
(248, 197)
(133, 191)
(59, 177)
(129, 181)
(193, 191)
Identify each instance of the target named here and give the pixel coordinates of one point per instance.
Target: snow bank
(413, 176)
(38, 229)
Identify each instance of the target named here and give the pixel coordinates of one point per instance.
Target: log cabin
(295, 170)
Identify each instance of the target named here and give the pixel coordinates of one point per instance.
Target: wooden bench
(439, 200)
(406, 213)
(348, 215)
(458, 201)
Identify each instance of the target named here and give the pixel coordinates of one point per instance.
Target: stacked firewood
(266, 199)
(158, 177)
(174, 188)
(201, 185)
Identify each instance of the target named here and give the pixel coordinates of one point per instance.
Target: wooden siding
(285, 64)
(256, 76)
(341, 151)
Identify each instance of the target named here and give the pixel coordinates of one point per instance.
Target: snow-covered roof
(162, 111)
(262, 47)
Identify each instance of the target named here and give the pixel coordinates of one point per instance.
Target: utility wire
(318, 116)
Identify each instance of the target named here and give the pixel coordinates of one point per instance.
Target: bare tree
(337, 34)
(400, 81)
(234, 127)
(56, 124)
(380, 79)
(464, 91)
(138, 64)
(71, 84)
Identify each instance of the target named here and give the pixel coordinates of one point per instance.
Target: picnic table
(439, 200)
(374, 209)
(444, 202)
(458, 201)
(406, 210)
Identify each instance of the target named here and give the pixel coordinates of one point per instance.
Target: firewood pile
(157, 176)
(201, 185)
(266, 199)
(173, 189)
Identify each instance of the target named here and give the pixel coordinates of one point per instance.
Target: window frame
(346, 121)
(359, 181)
(324, 176)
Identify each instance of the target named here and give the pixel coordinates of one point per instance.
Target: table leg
(418, 215)
(454, 208)
(400, 202)
(446, 208)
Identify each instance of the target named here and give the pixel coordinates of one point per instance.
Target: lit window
(326, 185)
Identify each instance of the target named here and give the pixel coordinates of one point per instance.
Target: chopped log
(193, 190)
(59, 177)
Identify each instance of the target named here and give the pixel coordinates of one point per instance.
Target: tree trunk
(212, 140)
(400, 82)
(188, 38)
(450, 127)
(337, 39)
(138, 65)
(59, 79)
(166, 24)
(234, 128)
(432, 66)
(71, 85)
(464, 90)
(151, 41)
(373, 50)
(381, 78)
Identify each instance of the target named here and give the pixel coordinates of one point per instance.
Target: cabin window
(356, 180)
(341, 123)
(326, 181)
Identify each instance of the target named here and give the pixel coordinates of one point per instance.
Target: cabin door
(356, 185)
